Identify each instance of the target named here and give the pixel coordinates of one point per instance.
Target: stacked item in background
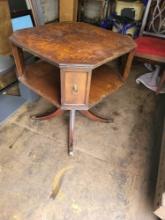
(127, 17)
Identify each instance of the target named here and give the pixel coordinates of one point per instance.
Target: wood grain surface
(73, 43)
(44, 79)
(5, 28)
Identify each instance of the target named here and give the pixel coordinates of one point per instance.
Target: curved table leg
(49, 115)
(71, 131)
(95, 117)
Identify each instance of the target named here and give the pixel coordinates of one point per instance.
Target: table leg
(48, 115)
(95, 117)
(71, 131)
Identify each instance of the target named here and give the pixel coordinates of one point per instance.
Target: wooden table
(71, 73)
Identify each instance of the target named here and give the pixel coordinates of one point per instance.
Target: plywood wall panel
(68, 10)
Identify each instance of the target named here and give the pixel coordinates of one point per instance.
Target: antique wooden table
(71, 73)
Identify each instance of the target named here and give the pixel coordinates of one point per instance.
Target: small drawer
(75, 88)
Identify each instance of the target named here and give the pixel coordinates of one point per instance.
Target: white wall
(49, 9)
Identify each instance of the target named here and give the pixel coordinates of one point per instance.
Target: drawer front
(75, 88)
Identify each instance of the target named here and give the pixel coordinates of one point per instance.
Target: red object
(150, 46)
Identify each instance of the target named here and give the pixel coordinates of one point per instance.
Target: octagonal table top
(77, 43)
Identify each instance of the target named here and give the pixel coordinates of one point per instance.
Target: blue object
(21, 22)
(145, 2)
(27, 93)
(9, 105)
(105, 24)
(121, 23)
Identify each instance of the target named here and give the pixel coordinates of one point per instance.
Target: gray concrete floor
(109, 177)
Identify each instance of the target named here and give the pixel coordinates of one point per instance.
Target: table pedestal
(92, 116)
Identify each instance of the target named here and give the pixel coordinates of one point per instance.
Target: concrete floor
(109, 177)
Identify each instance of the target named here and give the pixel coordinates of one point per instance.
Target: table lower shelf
(44, 79)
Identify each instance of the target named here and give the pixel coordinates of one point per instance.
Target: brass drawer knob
(75, 88)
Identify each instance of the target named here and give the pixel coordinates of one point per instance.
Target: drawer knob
(75, 88)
